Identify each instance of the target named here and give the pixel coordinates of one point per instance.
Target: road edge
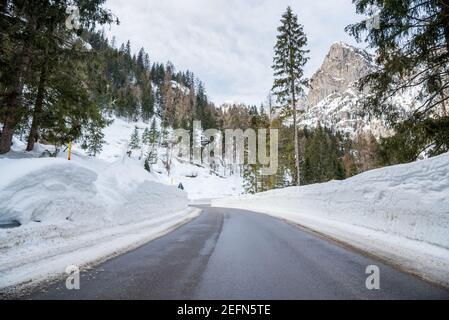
(27, 286)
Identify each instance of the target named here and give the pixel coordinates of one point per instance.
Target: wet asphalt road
(233, 254)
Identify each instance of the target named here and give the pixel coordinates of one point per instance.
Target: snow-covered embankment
(399, 213)
(77, 213)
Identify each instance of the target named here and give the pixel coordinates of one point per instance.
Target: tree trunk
(13, 108)
(444, 104)
(13, 105)
(295, 124)
(2, 5)
(38, 108)
(444, 5)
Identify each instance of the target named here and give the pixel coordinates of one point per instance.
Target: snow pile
(400, 213)
(53, 190)
(77, 212)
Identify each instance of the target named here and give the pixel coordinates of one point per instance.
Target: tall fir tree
(94, 139)
(146, 137)
(289, 61)
(153, 134)
(151, 158)
(135, 140)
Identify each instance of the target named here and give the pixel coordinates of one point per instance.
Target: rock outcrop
(342, 67)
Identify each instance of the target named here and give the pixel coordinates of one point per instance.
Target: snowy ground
(400, 213)
(198, 181)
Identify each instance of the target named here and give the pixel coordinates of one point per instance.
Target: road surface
(234, 254)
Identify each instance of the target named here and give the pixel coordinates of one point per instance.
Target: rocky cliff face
(333, 98)
(342, 66)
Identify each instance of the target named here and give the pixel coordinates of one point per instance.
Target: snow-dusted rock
(334, 97)
(342, 66)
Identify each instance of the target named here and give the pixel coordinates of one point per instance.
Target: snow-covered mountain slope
(199, 181)
(400, 213)
(334, 99)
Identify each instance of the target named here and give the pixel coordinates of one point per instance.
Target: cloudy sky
(228, 43)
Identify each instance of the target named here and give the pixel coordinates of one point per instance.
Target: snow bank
(78, 212)
(400, 213)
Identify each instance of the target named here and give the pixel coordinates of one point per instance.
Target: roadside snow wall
(78, 213)
(400, 213)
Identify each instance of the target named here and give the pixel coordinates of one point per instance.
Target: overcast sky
(228, 43)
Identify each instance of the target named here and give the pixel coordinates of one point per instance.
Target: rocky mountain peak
(343, 65)
(334, 99)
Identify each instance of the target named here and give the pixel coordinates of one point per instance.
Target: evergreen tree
(251, 178)
(147, 101)
(254, 181)
(201, 102)
(25, 36)
(128, 49)
(412, 44)
(146, 137)
(94, 140)
(151, 140)
(289, 61)
(141, 60)
(135, 140)
(322, 157)
(151, 158)
(147, 165)
(153, 134)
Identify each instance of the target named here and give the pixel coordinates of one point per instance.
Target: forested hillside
(74, 83)
(63, 83)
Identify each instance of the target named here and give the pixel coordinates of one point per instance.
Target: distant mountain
(333, 99)
(342, 66)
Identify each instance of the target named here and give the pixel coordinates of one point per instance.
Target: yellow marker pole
(70, 150)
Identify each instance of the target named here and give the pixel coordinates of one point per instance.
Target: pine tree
(141, 60)
(250, 179)
(151, 140)
(412, 43)
(147, 165)
(153, 134)
(22, 29)
(128, 48)
(322, 157)
(146, 137)
(151, 158)
(94, 140)
(147, 104)
(289, 61)
(135, 140)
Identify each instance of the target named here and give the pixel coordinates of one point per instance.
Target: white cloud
(228, 43)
